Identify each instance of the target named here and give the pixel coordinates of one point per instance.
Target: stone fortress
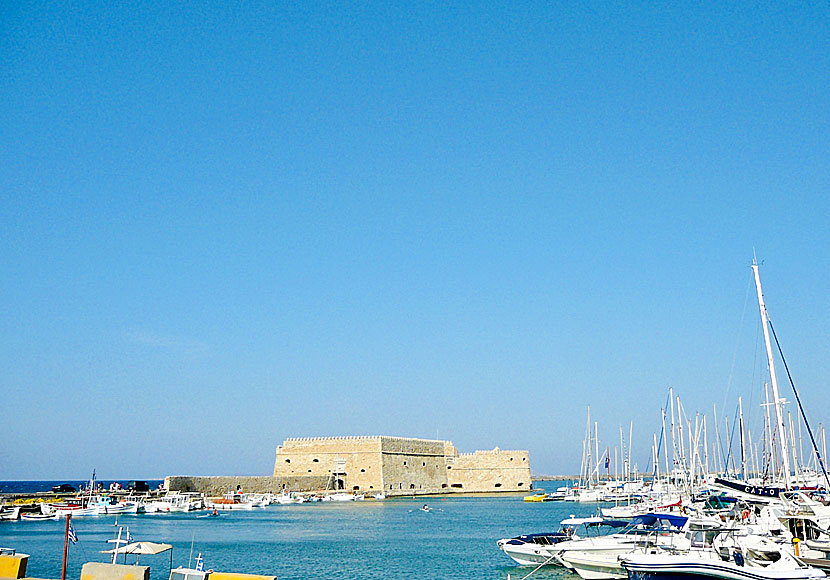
(401, 466)
(373, 464)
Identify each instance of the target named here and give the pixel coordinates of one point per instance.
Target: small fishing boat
(10, 513)
(109, 505)
(76, 507)
(339, 497)
(230, 501)
(171, 503)
(33, 517)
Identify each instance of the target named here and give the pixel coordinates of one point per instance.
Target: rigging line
(749, 284)
(660, 441)
(800, 407)
(731, 436)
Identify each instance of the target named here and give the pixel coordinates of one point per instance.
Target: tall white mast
(673, 442)
(779, 416)
(665, 445)
(743, 441)
(718, 455)
(705, 449)
(596, 443)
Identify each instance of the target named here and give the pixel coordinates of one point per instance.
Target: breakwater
(222, 484)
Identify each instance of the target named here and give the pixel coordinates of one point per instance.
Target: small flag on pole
(72, 535)
(606, 461)
(200, 564)
(129, 536)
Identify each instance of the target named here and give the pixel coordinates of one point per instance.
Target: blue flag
(200, 565)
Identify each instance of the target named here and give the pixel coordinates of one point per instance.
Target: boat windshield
(649, 523)
(188, 574)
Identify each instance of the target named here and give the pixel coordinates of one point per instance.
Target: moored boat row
(743, 519)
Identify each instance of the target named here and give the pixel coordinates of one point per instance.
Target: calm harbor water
(389, 539)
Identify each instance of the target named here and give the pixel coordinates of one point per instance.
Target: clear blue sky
(227, 224)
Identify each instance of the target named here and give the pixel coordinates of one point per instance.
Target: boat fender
(739, 558)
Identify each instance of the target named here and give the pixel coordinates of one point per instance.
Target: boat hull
(594, 566)
(708, 569)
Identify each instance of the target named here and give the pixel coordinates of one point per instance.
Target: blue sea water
(41, 486)
(390, 539)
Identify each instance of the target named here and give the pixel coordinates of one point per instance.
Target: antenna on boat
(190, 558)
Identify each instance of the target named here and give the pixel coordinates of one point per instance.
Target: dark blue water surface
(41, 486)
(389, 539)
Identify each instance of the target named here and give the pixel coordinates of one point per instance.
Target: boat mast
(673, 441)
(664, 440)
(779, 417)
(596, 445)
(716, 442)
(743, 442)
(769, 459)
(705, 449)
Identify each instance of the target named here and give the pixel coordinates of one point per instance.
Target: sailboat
(761, 491)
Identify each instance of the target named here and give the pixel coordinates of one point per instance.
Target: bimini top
(666, 522)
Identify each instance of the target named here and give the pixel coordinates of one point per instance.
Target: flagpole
(65, 546)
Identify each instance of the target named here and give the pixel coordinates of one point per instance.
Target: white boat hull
(594, 565)
(529, 554)
(659, 567)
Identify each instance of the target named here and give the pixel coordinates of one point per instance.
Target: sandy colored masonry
(401, 466)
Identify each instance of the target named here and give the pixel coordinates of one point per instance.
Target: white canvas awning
(140, 548)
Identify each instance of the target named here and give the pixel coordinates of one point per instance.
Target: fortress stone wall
(400, 466)
(220, 485)
(494, 470)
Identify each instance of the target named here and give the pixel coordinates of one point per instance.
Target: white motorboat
(258, 499)
(538, 548)
(589, 557)
(285, 498)
(727, 557)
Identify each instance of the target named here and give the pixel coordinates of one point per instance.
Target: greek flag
(200, 565)
(72, 535)
(129, 536)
